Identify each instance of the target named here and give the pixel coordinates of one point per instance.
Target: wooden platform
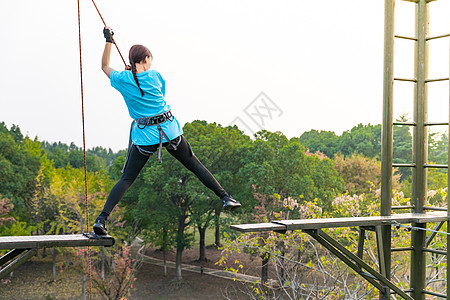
(23, 248)
(50, 241)
(308, 224)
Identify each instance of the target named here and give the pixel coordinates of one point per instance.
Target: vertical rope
(84, 147)
(111, 35)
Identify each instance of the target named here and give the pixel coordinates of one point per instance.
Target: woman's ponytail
(137, 54)
(133, 70)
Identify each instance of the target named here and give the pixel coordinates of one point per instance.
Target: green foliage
(19, 165)
(63, 155)
(438, 147)
(363, 139)
(17, 228)
(326, 142)
(59, 203)
(362, 174)
(274, 164)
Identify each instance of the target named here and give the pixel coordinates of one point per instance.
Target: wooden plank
(307, 224)
(49, 241)
(258, 227)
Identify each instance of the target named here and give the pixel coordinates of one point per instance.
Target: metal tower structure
(420, 125)
(420, 215)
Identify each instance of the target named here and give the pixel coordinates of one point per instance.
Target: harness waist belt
(155, 120)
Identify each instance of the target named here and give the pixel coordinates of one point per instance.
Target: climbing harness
(151, 121)
(155, 120)
(158, 120)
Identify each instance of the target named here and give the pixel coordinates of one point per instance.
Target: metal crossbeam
(437, 37)
(434, 233)
(406, 37)
(357, 268)
(436, 79)
(435, 166)
(406, 79)
(8, 268)
(335, 247)
(405, 123)
(395, 165)
(436, 123)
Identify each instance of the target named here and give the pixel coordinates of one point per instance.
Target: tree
(362, 174)
(58, 204)
(363, 139)
(121, 269)
(438, 147)
(218, 148)
(5, 207)
(19, 165)
(63, 155)
(162, 191)
(326, 142)
(274, 165)
(402, 152)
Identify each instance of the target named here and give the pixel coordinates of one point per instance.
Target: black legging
(136, 161)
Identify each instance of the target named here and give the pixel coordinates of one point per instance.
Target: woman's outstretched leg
(185, 155)
(133, 166)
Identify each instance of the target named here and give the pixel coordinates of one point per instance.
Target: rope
(397, 224)
(84, 148)
(114, 42)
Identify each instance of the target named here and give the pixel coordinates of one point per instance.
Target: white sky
(320, 62)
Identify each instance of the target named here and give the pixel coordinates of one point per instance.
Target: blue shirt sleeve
(117, 79)
(163, 83)
(114, 78)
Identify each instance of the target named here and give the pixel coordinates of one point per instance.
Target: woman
(154, 127)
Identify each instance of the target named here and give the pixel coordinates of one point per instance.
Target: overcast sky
(281, 65)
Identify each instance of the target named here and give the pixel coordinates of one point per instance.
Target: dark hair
(136, 55)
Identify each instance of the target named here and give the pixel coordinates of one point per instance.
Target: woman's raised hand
(108, 33)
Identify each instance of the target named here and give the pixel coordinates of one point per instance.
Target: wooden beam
(308, 224)
(50, 241)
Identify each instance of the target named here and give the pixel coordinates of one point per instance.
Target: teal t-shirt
(149, 105)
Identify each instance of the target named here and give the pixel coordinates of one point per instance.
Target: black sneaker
(229, 203)
(100, 226)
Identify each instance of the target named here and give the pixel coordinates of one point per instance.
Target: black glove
(108, 33)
